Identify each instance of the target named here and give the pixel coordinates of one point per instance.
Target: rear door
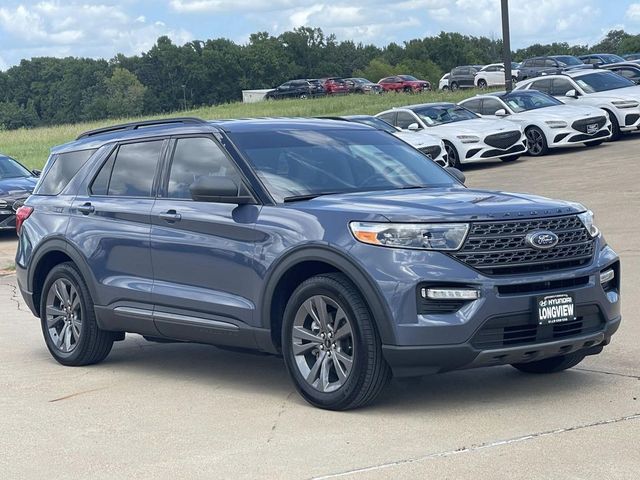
(205, 278)
(111, 224)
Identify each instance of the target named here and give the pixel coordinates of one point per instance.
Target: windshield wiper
(308, 196)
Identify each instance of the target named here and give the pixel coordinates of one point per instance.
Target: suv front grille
(432, 151)
(581, 125)
(503, 140)
(498, 248)
(500, 332)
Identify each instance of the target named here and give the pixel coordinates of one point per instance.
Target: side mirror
(457, 174)
(501, 113)
(571, 93)
(218, 190)
(36, 172)
(414, 127)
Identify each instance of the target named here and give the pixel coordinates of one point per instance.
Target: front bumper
(479, 152)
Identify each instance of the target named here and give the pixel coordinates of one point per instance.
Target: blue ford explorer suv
(332, 243)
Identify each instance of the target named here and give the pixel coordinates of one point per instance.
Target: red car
(335, 86)
(404, 83)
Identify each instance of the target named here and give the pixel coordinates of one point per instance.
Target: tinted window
(473, 105)
(194, 158)
(538, 62)
(62, 169)
(389, 117)
(441, 114)
(550, 63)
(490, 106)
(522, 100)
(602, 81)
(630, 73)
(569, 60)
(560, 87)
(130, 171)
(311, 162)
(9, 168)
(542, 85)
(405, 119)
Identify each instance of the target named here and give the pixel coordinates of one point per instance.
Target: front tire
(551, 365)
(452, 155)
(536, 142)
(68, 319)
(616, 133)
(330, 344)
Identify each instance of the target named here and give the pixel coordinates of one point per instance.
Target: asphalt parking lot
(190, 411)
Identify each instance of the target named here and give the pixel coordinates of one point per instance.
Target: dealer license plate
(552, 309)
(592, 128)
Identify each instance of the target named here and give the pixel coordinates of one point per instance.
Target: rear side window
(63, 168)
(129, 171)
(542, 85)
(405, 119)
(473, 105)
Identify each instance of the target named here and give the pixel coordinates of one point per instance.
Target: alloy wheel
(535, 141)
(64, 315)
(323, 344)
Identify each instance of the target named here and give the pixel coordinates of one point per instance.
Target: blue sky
(105, 27)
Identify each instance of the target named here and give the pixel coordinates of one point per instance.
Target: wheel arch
(305, 262)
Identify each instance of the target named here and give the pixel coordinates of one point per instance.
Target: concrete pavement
(191, 411)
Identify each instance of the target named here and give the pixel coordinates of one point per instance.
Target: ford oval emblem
(542, 240)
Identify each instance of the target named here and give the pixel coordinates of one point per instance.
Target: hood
(626, 93)
(441, 205)
(476, 126)
(567, 113)
(418, 139)
(17, 187)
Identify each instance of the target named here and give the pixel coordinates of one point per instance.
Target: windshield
(569, 60)
(602, 81)
(521, 101)
(375, 122)
(9, 168)
(441, 114)
(408, 77)
(294, 163)
(612, 58)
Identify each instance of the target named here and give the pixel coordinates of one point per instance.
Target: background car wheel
(454, 86)
(510, 158)
(616, 133)
(68, 319)
(452, 155)
(445, 88)
(482, 83)
(407, 90)
(551, 365)
(303, 96)
(330, 345)
(536, 142)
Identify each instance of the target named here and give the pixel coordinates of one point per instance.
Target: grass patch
(31, 146)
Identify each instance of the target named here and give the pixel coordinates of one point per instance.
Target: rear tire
(482, 84)
(551, 365)
(68, 319)
(454, 86)
(330, 344)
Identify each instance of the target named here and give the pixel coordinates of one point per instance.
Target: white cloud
(198, 6)
(633, 12)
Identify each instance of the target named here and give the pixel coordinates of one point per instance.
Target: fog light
(450, 293)
(607, 276)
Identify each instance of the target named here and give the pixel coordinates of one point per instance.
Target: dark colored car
(334, 86)
(533, 67)
(629, 70)
(16, 184)
(404, 83)
(332, 243)
(463, 77)
(296, 89)
(362, 85)
(601, 58)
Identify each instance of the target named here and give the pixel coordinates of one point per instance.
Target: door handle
(170, 216)
(86, 208)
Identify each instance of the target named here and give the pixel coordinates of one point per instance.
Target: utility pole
(506, 46)
(184, 97)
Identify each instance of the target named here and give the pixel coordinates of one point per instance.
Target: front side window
(63, 168)
(441, 114)
(298, 162)
(194, 158)
(602, 81)
(129, 171)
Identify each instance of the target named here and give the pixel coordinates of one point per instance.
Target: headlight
(424, 236)
(556, 124)
(624, 103)
(468, 138)
(587, 220)
(3, 204)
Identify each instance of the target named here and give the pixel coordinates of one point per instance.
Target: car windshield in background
(612, 58)
(439, 115)
(408, 77)
(9, 168)
(569, 60)
(602, 81)
(298, 164)
(360, 80)
(374, 122)
(521, 101)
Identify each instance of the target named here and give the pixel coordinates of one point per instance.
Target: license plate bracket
(555, 309)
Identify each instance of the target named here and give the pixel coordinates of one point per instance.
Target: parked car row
(309, 88)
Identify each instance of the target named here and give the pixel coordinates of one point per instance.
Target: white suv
(493, 76)
(616, 95)
(467, 137)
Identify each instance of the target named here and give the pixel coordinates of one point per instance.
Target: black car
(302, 88)
(362, 85)
(551, 65)
(601, 58)
(16, 184)
(628, 70)
(463, 77)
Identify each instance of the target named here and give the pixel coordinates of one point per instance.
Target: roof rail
(145, 123)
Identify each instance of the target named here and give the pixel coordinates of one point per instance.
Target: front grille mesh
(581, 125)
(499, 247)
(503, 140)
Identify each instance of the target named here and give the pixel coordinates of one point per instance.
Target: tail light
(21, 215)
